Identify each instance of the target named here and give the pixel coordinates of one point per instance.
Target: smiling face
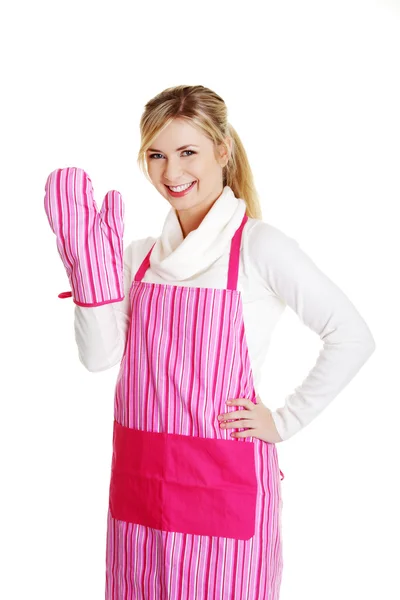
(179, 155)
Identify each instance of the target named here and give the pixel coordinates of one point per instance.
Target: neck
(191, 218)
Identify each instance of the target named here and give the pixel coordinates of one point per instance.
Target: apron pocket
(185, 484)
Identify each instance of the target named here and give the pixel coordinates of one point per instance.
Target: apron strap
(144, 266)
(234, 255)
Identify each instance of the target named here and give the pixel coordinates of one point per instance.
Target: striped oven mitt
(89, 242)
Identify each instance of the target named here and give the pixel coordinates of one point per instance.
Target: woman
(195, 493)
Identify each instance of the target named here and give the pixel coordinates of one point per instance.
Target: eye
(158, 154)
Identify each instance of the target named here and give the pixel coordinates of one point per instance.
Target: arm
(290, 274)
(101, 332)
(90, 245)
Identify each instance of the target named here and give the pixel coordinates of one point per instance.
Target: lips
(169, 187)
(183, 192)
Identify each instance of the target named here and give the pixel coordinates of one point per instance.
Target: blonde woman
(195, 489)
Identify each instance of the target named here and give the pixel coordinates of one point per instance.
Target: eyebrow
(180, 148)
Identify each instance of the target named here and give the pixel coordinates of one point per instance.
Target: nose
(173, 171)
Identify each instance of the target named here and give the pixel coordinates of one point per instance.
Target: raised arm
(100, 332)
(90, 244)
(291, 275)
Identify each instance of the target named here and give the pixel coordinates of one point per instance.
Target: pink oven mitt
(89, 242)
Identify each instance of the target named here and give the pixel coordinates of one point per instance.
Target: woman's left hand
(256, 418)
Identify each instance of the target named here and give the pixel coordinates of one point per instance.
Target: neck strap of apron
(234, 254)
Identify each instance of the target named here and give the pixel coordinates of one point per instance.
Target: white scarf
(176, 258)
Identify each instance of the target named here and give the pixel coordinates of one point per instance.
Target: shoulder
(278, 260)
(268, 245)
(136, 250)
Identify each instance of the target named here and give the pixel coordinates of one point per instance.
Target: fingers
(68, 197)
(69, 200)
(237, 424)
(244, 434)
(237, 414)
(113, 211)
(246, 402)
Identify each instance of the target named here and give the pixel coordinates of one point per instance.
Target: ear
(224, 153)
(229, 142)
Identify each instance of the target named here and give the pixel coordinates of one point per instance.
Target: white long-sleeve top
(274, 272)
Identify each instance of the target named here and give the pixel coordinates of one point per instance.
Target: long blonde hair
(206, 110)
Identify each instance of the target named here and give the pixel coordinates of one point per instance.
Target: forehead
(176, 134)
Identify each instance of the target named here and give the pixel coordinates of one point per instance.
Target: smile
(181, 190)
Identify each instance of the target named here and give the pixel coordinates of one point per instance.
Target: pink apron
(194, 514)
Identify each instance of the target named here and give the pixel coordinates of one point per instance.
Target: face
(199, 163)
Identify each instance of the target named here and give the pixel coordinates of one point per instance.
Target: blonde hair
(207, 111)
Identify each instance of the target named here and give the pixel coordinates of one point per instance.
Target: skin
(203, 162)
(200, 162)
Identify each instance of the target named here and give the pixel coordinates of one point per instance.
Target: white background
(312, 88)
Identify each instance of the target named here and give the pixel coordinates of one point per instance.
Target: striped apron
(193, 514)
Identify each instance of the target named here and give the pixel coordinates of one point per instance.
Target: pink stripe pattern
(89, 242)
(185, 355)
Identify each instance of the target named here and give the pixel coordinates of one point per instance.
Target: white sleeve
(291, 275)
(100, 331)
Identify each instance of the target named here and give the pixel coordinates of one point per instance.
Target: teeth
(180, 188)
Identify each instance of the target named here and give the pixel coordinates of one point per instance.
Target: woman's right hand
(89, 242)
